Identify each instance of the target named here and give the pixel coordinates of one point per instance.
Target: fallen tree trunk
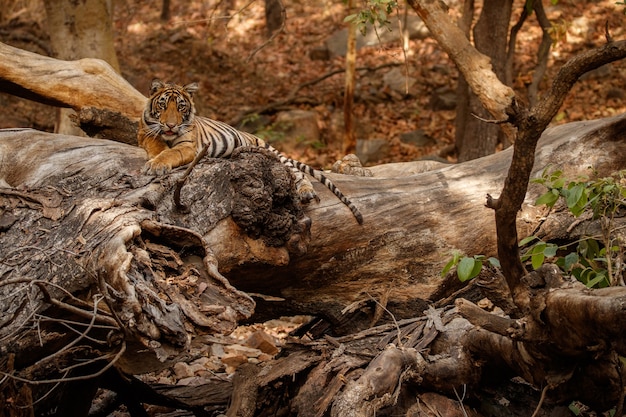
(104, 265)
(96, 240)
(441, 210)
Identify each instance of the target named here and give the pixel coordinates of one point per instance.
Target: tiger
(172, 135)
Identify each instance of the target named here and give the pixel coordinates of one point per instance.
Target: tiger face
(166, 128)
(170, 110)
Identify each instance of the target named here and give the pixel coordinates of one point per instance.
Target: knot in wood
(265, 202)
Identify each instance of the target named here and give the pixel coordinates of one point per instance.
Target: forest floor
(222, 45)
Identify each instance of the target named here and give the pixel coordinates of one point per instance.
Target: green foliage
(592, 259)
(375, 11)
(269, 133)
(468, 267)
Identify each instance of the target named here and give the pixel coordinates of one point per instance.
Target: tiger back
(172, 135)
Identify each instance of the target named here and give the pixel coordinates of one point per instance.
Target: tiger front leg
(305, 191)
(169, 159)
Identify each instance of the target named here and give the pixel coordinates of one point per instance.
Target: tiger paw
(153, 167)
(307, 194)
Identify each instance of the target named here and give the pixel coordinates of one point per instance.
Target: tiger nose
(170, 125)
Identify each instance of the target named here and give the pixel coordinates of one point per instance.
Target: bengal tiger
(172, 135)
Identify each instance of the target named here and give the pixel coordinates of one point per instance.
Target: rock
(183, 370)
(319, 53)
(613, 93)
(336, 43)
(254, 123)
(443, 98)
(417, 138)
(263, 342)
(372, 150)
(217, 350)
(297, 126)
(351, 165)
(234, 359)
(237, 349)
(397, 81)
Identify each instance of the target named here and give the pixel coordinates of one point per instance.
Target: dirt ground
(216, 43)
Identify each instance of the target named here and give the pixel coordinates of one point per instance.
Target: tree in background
(80, 30)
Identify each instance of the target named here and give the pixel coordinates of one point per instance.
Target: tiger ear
(191, 88)
(156, 85)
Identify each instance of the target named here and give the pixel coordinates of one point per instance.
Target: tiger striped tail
(319, 175)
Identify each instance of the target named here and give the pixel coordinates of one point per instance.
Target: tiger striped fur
(172, 135)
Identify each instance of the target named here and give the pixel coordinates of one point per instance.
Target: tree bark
(80, 30)
(76, 84)
(476, 138)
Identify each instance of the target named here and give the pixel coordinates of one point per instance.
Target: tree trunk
(80, 30)
(476, 138)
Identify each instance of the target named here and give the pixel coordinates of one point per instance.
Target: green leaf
(548, 198)
(573, 195)
(571, 259)
(537, 260)
(350, 18)
(550, 250)
(494, 262)
(448, 267)
(574, 409)
(598, 279)
(468, 268)
(527, 240)
(456, 255)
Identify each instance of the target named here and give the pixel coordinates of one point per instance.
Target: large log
(413, 222)
(103, 263)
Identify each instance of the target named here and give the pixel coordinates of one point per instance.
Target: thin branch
(543, 397)
(542, 54)
(97, 300)
(492, 121)
(510, 53)
(281, 29)
(292, 96)
(116, 358)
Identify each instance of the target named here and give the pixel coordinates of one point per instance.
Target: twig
(101, 315)
(543, 397)
(510, 53)
(116, 358)
(607, 34)
(542, 54)
(460, 399)
(181, 181)
(278, 31)
(97, 299)
(496, 122)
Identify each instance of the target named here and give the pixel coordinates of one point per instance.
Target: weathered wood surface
(83, 222)
(413, 222)
(86, 82)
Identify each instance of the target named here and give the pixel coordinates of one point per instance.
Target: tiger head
(170, 111)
